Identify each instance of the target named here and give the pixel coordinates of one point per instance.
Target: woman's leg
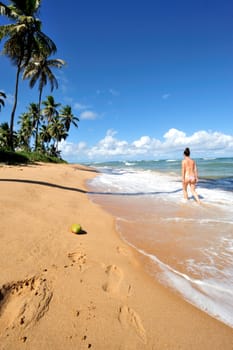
(194, 193)
(185, 185)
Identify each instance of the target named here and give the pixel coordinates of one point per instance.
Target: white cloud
(145, 144)
(88, 115)
(79, 106)
(142, 142)
(108, 146)
(175, 137)
(201, 143)
(69, 148)
(113, 92)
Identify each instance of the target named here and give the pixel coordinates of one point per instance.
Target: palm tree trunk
(38, 120)
(11, 142)
(57, 145)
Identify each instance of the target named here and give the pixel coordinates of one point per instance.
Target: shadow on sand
(74, 189)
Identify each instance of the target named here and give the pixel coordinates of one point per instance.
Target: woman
(189, 175)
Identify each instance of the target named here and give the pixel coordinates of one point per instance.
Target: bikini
(190, 177)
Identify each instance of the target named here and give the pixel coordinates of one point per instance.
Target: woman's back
(189, 166)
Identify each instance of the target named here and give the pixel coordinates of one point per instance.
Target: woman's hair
(187, 152)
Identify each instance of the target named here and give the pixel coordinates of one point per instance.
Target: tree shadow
(44, 183)
(75, 189)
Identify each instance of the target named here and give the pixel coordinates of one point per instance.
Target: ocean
(185, 246)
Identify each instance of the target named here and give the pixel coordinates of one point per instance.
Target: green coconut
(76, 228)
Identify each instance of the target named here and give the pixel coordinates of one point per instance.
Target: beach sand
(63, 291)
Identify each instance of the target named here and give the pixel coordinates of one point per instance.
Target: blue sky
(146, 78)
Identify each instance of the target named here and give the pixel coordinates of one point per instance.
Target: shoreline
(66, 291)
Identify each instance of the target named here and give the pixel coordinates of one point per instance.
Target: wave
(199, 221)
(213, 298)
(168, 186)
(129, 164)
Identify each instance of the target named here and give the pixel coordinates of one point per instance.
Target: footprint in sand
(114, 279)
(115, 282)
(78, 258)
(23, 302)
(129, 319)
(122, 250)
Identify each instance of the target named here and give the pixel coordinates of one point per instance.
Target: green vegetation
(2, 102)
(15, 158)
(29, 49)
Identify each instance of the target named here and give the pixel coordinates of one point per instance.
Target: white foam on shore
(132, 181)
(153, 183)
(199, 221)
(214, 299)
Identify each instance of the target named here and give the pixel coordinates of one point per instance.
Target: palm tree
(33, 112)
(68, 118)
(33, 115)
(39, 69)
(24, 38)
(26, 130)
(2, 102)
(57, 132)
(50, 111)
(5, 136)
(44, 137)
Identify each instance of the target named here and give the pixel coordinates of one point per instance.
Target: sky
(145, 78)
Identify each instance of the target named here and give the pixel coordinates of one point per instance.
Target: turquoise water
(185, 246)
(209, 168)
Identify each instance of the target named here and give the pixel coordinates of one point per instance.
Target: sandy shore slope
(63, 291)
